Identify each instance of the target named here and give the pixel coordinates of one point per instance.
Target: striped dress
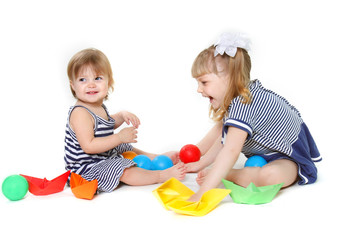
(106, 167)
(275, 130)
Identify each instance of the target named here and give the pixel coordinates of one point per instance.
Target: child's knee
(269, 175)
(284, 171)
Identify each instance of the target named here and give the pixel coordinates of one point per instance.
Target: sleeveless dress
(106, 167)
(275, 130)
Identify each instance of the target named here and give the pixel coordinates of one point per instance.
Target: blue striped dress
(106, 167)
(275, 130)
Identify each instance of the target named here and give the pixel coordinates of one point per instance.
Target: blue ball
(161, 162)
(255, 161)
(143, 161)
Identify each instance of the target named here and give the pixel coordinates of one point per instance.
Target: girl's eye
(82, 80)
(98, 78)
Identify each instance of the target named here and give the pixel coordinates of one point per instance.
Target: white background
(307, 51)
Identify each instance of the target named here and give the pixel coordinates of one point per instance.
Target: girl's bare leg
(279, 171)
(136, 176)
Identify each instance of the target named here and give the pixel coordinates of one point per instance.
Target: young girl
(91, 147)
(249, 119)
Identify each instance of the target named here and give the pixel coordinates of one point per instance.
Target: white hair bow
(229, 42)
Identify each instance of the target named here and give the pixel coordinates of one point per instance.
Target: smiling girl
(91, 147)
(249, 119)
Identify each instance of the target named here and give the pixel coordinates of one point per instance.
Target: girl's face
(90, 87)
(213, 87)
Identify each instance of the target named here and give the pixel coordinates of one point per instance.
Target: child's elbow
(88, 149)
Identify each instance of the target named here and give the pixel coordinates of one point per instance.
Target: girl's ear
(71, 84)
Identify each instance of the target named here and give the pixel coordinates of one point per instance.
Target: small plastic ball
(129, 155)
(143, 161)
(15, 187)
(161, 162)
(189, 153)
(255, 161)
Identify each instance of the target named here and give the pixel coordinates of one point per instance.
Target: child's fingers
(134, 132)
(133, 135)
(129, 134)
(135, 121)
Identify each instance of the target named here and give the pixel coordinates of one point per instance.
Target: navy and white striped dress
(106, 167)
(275, 130)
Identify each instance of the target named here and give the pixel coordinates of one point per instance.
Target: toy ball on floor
(255, 161)
(161, 162)
(143, 161)
(129, 155)
(189, 153)
(15, 187)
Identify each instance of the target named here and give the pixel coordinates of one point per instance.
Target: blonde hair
(93, 58)
(237, 69)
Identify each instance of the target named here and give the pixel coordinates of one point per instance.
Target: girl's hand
(194, 198)
(130, 118)
(128, 135)
(127, 117)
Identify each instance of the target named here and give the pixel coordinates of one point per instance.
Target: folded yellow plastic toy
(172, 194)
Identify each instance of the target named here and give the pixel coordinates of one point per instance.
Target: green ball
(15, 187)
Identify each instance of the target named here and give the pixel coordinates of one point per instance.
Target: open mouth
(211, 99)
(92, 93)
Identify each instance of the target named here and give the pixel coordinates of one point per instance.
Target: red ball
(189, 153)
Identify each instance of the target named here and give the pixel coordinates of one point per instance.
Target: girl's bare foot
(173, 155)
(201, 176)
(193, 167)
(177, 171)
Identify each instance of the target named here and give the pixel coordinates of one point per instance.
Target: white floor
(324, 209)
